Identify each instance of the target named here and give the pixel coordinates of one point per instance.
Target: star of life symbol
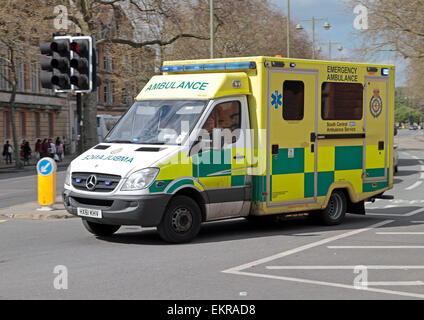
(276, 99)
(376, 104)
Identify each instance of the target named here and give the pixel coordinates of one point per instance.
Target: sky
(341, 19)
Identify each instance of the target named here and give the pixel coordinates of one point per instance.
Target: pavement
(30, 168)
(32, 209)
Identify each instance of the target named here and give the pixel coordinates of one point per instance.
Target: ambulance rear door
(376, 123)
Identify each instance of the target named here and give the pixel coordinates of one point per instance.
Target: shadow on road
(241, 229)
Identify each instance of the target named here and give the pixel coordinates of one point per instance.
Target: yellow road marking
(2, 221)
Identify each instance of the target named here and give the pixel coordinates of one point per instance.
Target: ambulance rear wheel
(100, 229)
(181, 220)
(335, 211)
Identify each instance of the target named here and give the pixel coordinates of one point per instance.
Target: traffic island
(31, 211)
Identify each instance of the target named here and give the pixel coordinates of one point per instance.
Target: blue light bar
(172, 68)
(385, 71)
(193, 67)
(240, 65)
(214, 66)
(210, 67)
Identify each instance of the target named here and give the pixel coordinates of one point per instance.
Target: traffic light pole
(79, 120)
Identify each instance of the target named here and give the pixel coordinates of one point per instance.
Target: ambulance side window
(293, 100)
(226, 115)
(341, 101)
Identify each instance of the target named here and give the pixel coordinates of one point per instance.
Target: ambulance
(250, 137)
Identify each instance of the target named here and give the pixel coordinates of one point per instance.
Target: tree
(394, 26)
(17, 29)
(149, 30)
(121, 23)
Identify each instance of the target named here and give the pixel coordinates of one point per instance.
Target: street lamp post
(211, 27)
(330, 45)
(326, 26)
(288, 28)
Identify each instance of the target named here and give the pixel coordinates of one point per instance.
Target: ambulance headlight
(68, 176)
(140, 179)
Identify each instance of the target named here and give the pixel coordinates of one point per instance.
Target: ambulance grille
(101, 182)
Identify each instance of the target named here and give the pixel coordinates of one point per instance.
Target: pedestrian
(38, 149)
(64, 142)
(27, 152)
(7, 152)
(22, 152)
(59, 149)
(44, 148)
(52, 149)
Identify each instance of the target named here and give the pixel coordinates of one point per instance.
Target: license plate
(90, 213)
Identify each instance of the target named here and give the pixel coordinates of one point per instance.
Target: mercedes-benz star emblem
(91, 182)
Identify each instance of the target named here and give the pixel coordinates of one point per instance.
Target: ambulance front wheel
(181, 220)
(99, 229)
(335, 211)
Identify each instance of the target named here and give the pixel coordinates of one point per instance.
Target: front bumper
(142, 210)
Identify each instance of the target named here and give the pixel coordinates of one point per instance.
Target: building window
(6, 124)
(22, 124)
(341, 101)
(34, 81)
(51, 125)
(37, 124)
(4, 75)
(106, 94)
(293, 100)
(20, 74)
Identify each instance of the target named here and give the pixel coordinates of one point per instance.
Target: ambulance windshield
(157, 122)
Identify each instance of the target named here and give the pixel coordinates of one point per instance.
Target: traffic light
(83, 63)
(72, 66)
(57, 72)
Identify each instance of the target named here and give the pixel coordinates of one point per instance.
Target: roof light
(214, 66)
(210, 67)
(193, 67)
(385, 71)
(172, 68)
(372, 69)
(292, 64)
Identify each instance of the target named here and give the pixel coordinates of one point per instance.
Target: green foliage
(402, 113)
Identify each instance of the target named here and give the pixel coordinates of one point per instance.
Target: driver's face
(210, 123)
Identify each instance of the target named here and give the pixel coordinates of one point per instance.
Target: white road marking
(305, 247)
(237, 270)
(409, 214)
(375, 247)
(2, 221)
(371, 267)
(417, 221)
(330, 284)
(415, 185)
(393, 283)
(406, 233)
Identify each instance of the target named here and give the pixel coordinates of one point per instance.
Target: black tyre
(181, 220)
(99, 229)
(335, 211)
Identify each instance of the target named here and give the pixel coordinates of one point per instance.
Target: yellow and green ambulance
(240, 137)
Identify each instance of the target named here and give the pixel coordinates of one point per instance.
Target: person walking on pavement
(59, 149)
(7, 152)
(27, 152)
(45, 148)
(38, 149)
(52, 148)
